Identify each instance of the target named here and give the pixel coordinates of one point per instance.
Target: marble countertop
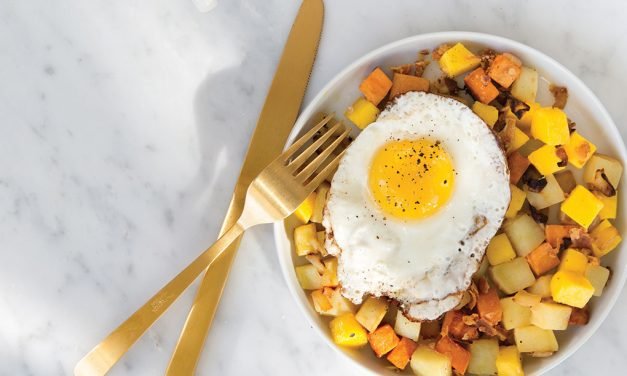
(124, 124)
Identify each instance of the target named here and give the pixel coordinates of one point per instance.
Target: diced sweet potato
(376, 86)
(453, 326)
(460, 357)
(403, 83)
(402, 353)
(517, 166)
(555, 234)
(383, 340)
(543, 259)
(430, 329)
(579, 316)
(481, 86)
(489, 306)
(504, 70)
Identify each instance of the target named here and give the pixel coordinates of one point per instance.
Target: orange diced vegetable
(403, 83)
(504, 70)
(543, 259)
(402, 353)
(383, 340)
(430, 329)
(460, 357)
(453, 325)
(489, 306)
(481, 86)
(555, 234)
(518, 164)
(376, 86)
(579, 316)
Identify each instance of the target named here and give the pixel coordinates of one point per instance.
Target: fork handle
(102, 357)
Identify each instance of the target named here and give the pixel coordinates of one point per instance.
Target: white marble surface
(123, 126)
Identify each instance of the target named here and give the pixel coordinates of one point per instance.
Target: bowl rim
(483, 38)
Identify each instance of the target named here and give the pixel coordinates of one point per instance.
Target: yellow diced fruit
(308, 277)
(524, 234)
(329, 276)
(526, 299)
(508, 362)
(362, 113)
(514, 315)
(483, 354)
(573, 261)
(550, 125)
(542, 286)
(304, 210)
(533, 339)
(525, 88)
(605, 238)
(513, 276)
(346, 331)
(550, 316)
(525, 121)
(405, 327)
(579, 150)
(457, 60)
(582, 206)
(425, 361)
(489, 114)
(500, 250)
(612, 168)
(519, 138)
(545, 160)
(306, 239)
(322, 194)
(597, 276)
(516, 202)
(571, 288)
(610, 205)
(371, 313)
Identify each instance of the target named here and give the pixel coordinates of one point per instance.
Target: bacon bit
(580, 238)
(579, 316)
(487, 56)
(561, 154)
(455, 327)
(602, 184)
(560, 94)
(474, 293)
(492, 331)
(402, 69)
(419, 67)
(440, 50)
(593, 260)
(538, 215)
(470, 319)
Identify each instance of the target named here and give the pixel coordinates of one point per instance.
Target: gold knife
(274, 125)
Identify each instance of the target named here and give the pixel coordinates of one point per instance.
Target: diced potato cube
(605, 238)
(481, 86)
(483, 354)
(383, 340)
(514, 315)
(489, 114)
(582, 206)
(403, 83)
(550, 195)
(525, 87)
(524, 234)
(566, 180)
(401, 354)
(306, 240)
(517, 164)
(526, 299)
(542, 286)
(500, 250)
(550, 125)
(329, 276)
(518, 199)
(513, 276)
(543, 259)
(371, 313)
(597, 276)
(304, 210)
(546, 160)
(531, 339)
(457, 60)
(508, 362)
(346, 331)
(322, 194)
(612, 168)
(460, 357)
(362, 113)
(405, 327)
(573, 261)
(322, 304)
(579, 150)
(504, 70)
(571, 288)
(376, 86)
(550, 316)
(321, 236)
(610, 205)
(308, 277)
(425, 361)
(338, 304)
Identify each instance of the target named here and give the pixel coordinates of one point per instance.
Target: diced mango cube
(516, 202)
(306, 239)
(508, 362)
(371, 313)
(427, 362)
(571, 288)
(457, 60)
(500, 250)
(597, 276)
(489, 114)
(525, 121)
(304, 210)
(533, 339)
(605, 238)
(582, 206)
(579, 150)
(610, 205)
(573, 261)
(545, 160)
(550, 125)
(519, 138)
(346, 331)
(362, 113)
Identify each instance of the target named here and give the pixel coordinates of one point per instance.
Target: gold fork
(273, 195)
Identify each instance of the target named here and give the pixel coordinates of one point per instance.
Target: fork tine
(313, 165)
(306, 137)
(326, 171)
(298, 161)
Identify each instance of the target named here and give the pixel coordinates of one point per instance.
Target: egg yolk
(411, 179)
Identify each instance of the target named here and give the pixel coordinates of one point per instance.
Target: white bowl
(583, 107)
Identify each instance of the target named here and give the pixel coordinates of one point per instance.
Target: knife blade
(275, 122)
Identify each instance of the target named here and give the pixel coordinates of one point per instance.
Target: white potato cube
(514, 315)
(531, 339)
(542, 286)
(550, 195)
(483, 354)
(598, 276)
(405, 327)
(425, 361)
(371, 313)
(551, 316)
(612, 168)
(512, 276)
(525, 88)
(524, 234)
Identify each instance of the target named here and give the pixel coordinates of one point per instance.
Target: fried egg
(414, 203)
